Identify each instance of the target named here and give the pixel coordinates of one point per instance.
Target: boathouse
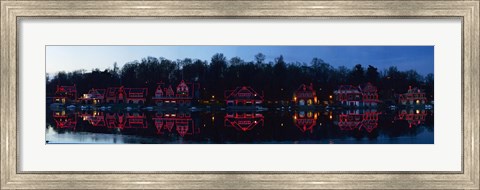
(115, 95)
(167, 96)
(348, 95)
(369, 95)
(305, 95)
(362, 96)
(94, 96)
(413, 96)
(136, 95)
(64, 94)
(243, 96)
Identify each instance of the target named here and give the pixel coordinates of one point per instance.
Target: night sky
(70, 58)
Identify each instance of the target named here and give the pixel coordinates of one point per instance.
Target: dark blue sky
(69, 58)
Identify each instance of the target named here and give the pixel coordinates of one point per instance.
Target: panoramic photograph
(239, 95)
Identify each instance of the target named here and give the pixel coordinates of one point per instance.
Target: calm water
(241, 127)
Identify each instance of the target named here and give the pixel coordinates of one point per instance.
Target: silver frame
(13, 11)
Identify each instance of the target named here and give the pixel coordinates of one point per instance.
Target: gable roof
(244, 91)
(66, 88)
(368, 87)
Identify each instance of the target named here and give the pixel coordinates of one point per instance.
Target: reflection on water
(183, 123)
(243, 121)
(358, 119)
(358, 126)
(305, 122)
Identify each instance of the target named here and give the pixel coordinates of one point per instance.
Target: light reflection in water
(183, 123)
(413, 118)
(305, 122)
(358, 119)
(243, 121)
(300, 126)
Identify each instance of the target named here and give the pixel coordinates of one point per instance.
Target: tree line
(277, 79)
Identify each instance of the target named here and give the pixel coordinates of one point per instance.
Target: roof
(182, 87)
(112, 91)
(66, 88)
(415, 90)
(368, 87)
(97, 91)
(347, 88)
(305, 91)
(136, 90)
(169, 90)
(244, 91)
(305, 88)
(159, 90)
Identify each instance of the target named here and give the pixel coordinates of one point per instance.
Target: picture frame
(13, 11)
